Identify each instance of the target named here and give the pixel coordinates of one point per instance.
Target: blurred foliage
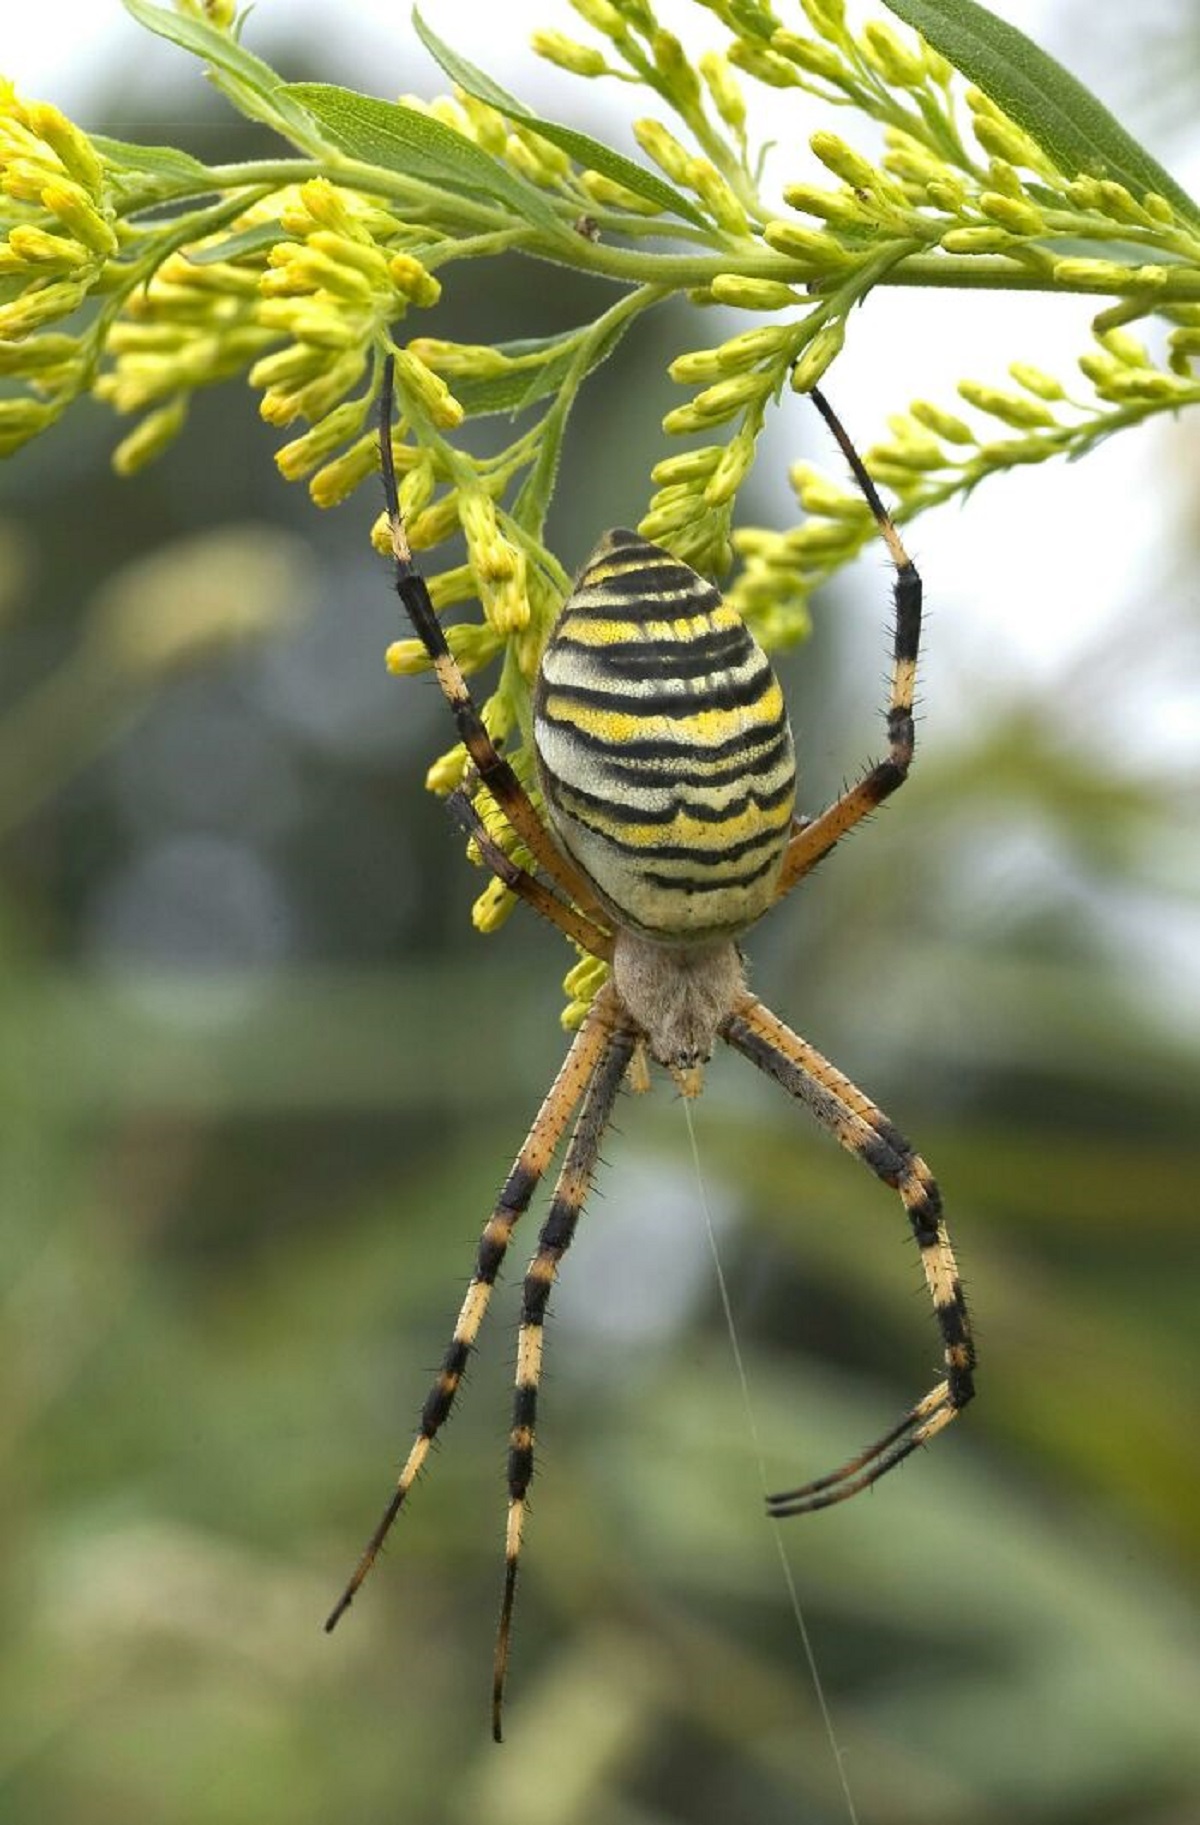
(244, 1161)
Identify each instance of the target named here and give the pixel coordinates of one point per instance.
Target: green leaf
(251, 84)
(396, 138)
(161, 164)
(513, 392)
(236, 246)
(1053, 107)
(592, 153)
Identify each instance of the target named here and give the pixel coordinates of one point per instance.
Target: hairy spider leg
(494, 770)
(813, 842)
(576, 1073)
(862, 1129)
(580, 929)
(557, 1233)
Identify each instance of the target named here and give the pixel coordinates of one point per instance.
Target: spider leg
(575, 1074)
(556, 1236)
(862, 1129)
(817, 837)
(494, 771)
(576, 925)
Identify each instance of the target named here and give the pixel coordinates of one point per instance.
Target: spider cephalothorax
(667, 767)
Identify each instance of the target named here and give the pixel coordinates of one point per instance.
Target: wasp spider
(667, 768)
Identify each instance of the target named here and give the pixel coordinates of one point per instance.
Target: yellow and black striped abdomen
(663, 746)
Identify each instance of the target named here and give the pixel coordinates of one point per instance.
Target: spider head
(678, 995)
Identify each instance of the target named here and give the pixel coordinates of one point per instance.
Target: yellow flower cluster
(304, 314)
(58, 238)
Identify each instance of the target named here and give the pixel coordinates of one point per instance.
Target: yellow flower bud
(661, 524)
(416, 488)
(323, 324)
(602, 16)
(826, 16)
(674, 68)
(24, 179)
(76, 211)
(725, 90)
(1018, 216)
(824, 348)
(809, 55)
(284, 368)
(405, 658)
(149, 437)
(344, 250)
(607, 194)
(1002, 138)
(578, 59)
(450, 586)
(1043, 386)
(818, 539)
(818, 495)
(36, 247)
(690, 466)
(895, 62)
(942, 424)
(475, 360)
(490, 128)
(753, 294)
(721, 401)
(976, 240)
(1003, 178)
(737, 460)
(446, 773)
(474, 646)
(844, 209)
(412, 280)
(836, 156)
(506, 603)
(40, 304)
(448, 111)
(430, 390)
(337, 480)
(1010, 408)
(1114, 380)
(327, 206)
(303, 454)
(717, 197)
(493, 907)
(700, 364)
(683, 420)
(662, 146)
(811, 245)
(71, 146)
(434, 524)
(39, 355)
(763, 64)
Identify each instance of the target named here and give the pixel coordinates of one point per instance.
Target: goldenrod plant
(139, 274)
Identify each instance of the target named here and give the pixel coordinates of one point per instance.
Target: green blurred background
(260, 1082)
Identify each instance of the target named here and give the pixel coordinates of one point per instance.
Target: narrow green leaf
(593, 154)
(162, 164)
(237, 246)
(396, 138)
(513, 392)
(1053, 107)
(252, 84)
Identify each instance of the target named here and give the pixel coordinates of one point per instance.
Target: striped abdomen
(663, 745)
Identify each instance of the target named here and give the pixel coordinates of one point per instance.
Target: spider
(667, 769)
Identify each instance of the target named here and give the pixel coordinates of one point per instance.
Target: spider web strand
(756, 1442)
